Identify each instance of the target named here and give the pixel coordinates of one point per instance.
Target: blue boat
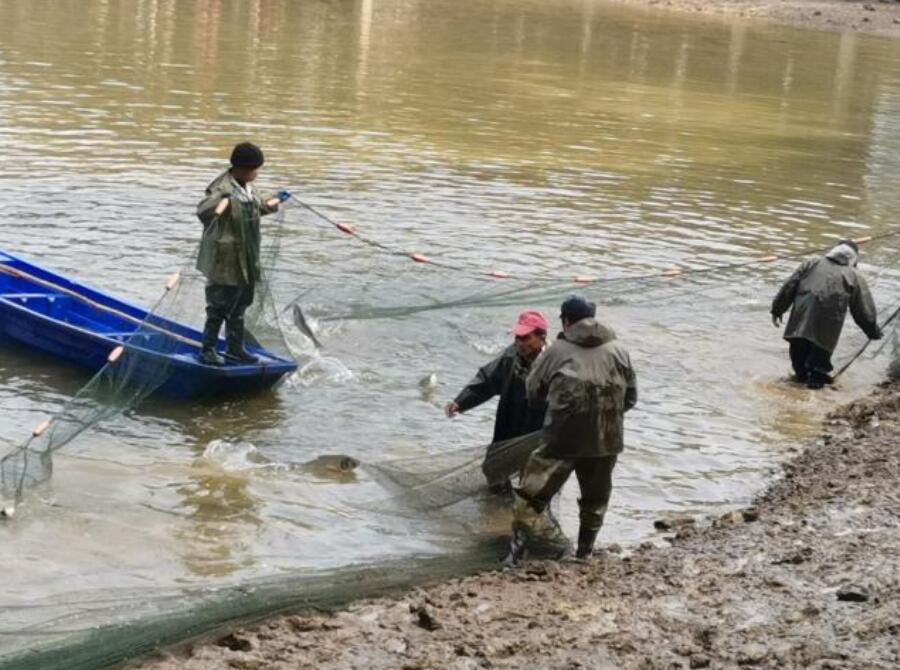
(48, 312)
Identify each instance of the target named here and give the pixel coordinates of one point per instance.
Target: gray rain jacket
(588, 382)
(819, 293)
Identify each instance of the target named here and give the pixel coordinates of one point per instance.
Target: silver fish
(303, 326)
(330, 465)
(427, 386)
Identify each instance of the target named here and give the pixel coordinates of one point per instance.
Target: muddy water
(554, 139)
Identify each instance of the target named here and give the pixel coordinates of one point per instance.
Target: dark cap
(576, 308)
(247, 155)
(852, 244)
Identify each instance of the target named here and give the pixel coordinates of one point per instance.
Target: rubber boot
(208, 354)
(234, 332)
(586, 539)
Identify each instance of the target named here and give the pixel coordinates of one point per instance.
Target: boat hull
(54, 315)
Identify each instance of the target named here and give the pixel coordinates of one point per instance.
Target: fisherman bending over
(587, 380)
(818, 295)
(505, 376)
(229, 251)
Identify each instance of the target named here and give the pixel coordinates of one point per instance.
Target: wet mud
(876, 17)
(808, 576)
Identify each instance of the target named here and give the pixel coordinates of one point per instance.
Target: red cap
(528, 322)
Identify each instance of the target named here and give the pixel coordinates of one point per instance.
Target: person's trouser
(507, 458)
(544, 476)
(811, 362)
(228, 304)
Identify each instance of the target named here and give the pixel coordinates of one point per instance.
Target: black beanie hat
(577, 308)
(246, 155)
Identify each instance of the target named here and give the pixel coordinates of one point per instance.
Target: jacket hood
(843, 254)
(589, 333)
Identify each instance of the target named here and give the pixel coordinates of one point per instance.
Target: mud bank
(808, 577)
(877, 17)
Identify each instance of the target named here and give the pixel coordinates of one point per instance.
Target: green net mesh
(150, 351)
(93, 629)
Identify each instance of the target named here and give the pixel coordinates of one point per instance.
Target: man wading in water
(587, 381)
(818, 295)
(505, 376)
(229, 251)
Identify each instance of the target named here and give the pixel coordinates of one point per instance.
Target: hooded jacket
(230, 246)
(504, 376)
(819, 293)
(588, 382)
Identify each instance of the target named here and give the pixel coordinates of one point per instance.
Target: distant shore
(876, 17)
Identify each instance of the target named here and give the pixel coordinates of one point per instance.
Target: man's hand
(776, 320)
(877, 335)
(273, 203)
(451, 409)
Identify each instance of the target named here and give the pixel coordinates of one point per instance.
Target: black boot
(208, 354)
(586, 538)
(234, 332)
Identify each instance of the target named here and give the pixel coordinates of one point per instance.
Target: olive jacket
(230, 246)
(588, 382)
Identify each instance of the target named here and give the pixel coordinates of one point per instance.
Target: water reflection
(223, 514)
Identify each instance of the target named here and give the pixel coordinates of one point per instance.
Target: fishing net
(438, 481)
(151, 352)
(104, 630)
(431, 481)
(153, 346)
(90, 632)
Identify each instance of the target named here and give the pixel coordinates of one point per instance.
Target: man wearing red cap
(505, 377)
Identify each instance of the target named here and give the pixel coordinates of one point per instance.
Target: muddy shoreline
(876, 17)
(807, 577)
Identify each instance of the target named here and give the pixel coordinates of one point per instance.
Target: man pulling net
(588, 383)
(819, 293)
(505, 377)
(229, 255)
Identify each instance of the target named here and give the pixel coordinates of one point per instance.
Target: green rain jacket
(819, 293)
(588, 382)
(504, 376)
(230, 246)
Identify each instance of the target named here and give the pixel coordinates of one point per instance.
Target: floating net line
(497, 288)
(579, 280)
(149, 349)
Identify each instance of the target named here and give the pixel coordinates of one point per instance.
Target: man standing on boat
(229, 251)
(588, 383)
(818, 294)
(505, 377)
